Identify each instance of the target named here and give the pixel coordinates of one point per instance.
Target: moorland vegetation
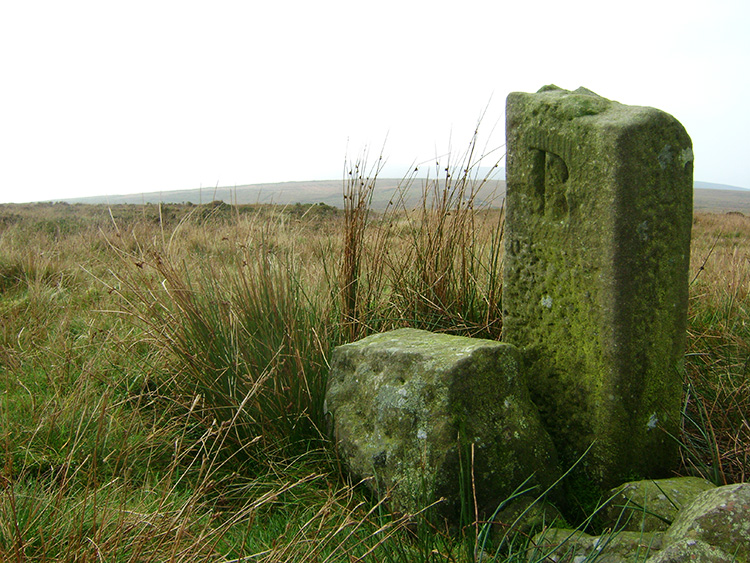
(163, 369)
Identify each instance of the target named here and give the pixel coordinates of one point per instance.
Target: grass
(716, 427)
(162, 368)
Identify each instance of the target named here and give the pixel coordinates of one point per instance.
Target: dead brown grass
(717, 400)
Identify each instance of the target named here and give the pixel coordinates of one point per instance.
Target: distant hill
(326, 191)
(711, 186)
(708, 197)
(722, 201)
(321, 191)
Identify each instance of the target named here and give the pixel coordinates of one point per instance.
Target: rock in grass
(571, 546)
(525, 515)
(410, 408)
(719, 517)
(652, 505)
(713, 528)
(691, 551)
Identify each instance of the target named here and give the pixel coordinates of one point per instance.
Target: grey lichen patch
(665, 157)
(409, 405)
(686, 156)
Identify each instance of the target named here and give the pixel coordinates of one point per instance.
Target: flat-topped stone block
(595, 275)
(408, 406)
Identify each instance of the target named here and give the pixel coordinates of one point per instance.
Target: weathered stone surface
(691, 551)
(719, 517)
(650, 505)
(597, 240)
(525, 515)
(408, 405)
(713, 528)
(571, 546)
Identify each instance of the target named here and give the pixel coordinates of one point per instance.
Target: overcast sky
(102, 97)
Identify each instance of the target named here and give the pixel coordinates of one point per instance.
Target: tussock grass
(245, 344)
(435, 266)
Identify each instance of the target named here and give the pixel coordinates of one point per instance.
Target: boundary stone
(595, 280)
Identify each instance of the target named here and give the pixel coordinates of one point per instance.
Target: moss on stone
(595, 273)
(409, 406)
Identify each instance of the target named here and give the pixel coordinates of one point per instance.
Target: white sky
(102, 97)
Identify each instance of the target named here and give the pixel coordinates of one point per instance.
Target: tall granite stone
(597, 240)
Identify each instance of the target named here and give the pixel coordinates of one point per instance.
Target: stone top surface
(567, 105)
(424, 342)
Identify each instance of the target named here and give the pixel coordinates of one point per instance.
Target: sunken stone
(691, 551)
(572, 546)
(595, 275)
(409, 408)
(651, 506)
